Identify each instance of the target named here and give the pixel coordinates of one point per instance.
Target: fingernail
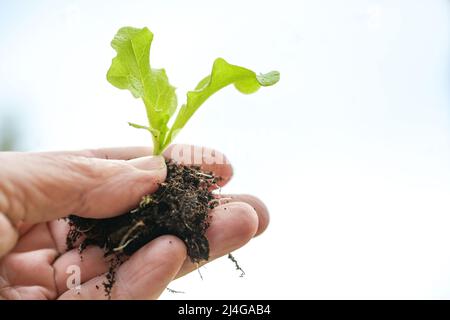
(149, 163)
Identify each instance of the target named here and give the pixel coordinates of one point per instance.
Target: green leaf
(269, 78)
(131, 70)
(222, 75)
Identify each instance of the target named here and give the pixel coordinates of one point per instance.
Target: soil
(179, 207)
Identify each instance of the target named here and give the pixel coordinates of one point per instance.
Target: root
(204, 175)
(174, 291)
(198, 270)
(146, 200)
(238, 267)
(125, 240)
(86, 230)
(123, 246)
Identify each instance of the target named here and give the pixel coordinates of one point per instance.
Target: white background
(350, 151)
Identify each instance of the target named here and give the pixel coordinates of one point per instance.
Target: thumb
(42, 187)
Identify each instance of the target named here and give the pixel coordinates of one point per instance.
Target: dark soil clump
(179, 207)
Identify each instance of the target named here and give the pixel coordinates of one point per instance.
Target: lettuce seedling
(131, 70)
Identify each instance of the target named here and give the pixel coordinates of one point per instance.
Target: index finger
(208, 159)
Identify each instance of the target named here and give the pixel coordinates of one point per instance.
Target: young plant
(181, 206)
(131, 70)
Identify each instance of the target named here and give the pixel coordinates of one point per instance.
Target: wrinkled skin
(36, 189)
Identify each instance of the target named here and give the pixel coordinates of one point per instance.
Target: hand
(36, 189)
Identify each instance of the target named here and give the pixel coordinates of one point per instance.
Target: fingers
(144, 276)
(257, 204)
(38, 237)
(208, 159)
(42, 187)
(8, 235)
(92, 263)
(28, 269)
(232, 226)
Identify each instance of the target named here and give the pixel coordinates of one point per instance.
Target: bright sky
(351, 150)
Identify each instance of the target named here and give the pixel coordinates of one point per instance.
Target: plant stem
(156, 147)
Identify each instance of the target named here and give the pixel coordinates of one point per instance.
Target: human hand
(36, 189)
